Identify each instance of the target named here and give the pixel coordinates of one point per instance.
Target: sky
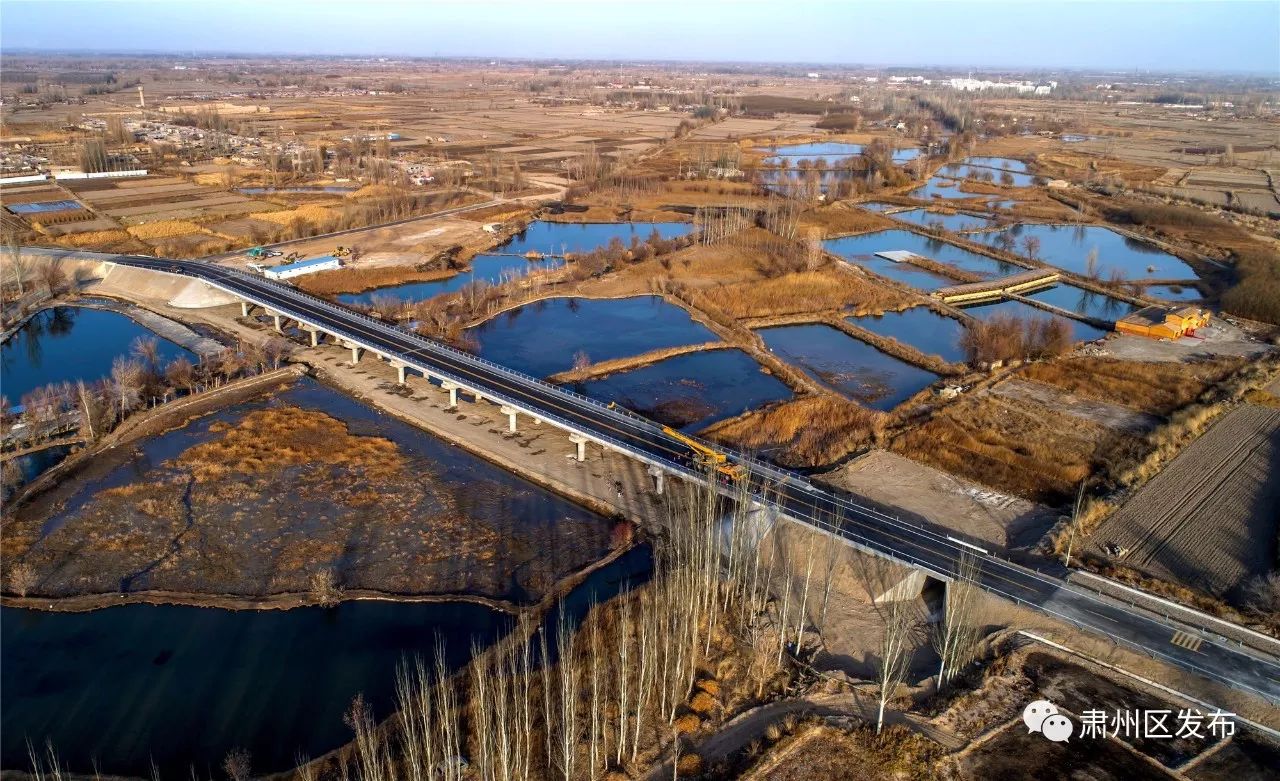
(1208, 35)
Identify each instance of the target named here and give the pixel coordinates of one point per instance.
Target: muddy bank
(255, 502)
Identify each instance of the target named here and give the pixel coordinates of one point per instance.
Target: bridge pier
(657, 475)
(581, 442)
(245, 306)
(400, 367)
(355, 351)
(315, 335)
(453, 393)
(278, 319)
(510, 412)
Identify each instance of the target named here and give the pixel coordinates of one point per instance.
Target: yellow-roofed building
(1162, 322)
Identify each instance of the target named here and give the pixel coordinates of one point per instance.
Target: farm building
(308, 266)
(1161, 322)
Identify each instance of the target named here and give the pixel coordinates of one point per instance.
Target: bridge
(855, 521)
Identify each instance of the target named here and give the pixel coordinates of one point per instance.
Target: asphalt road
(853, 518)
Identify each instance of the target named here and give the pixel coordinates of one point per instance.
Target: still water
(853, 247)
(68, 343)
(691, 391)
(182, 686)
(920, 327)
(543, 337)
(1069, 247)
(544, 238)
(855, 368)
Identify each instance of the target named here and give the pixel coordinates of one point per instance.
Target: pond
(925, 246)
(32, 465)
(691, 391)
(953, 222)
(484, 268)
(906, 273)
(68, 343)
(878, 206)
(1068, 247)
(831, 151)
(123, 686)
(543, 338)
(850, 366)
(1085, 302)
(999, 163)
(1082, 332)
(920, 327)
(44, 207)
(546, 238)
(1173, 292)
(943, 187)
(557, 238)
(1004, 178)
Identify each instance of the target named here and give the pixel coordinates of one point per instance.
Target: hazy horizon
(1233, 36)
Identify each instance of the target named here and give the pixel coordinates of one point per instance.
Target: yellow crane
(708, 455)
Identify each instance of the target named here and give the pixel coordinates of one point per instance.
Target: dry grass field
(788, 435)
(1158, 388)
(1013, 445)
(1210, 519)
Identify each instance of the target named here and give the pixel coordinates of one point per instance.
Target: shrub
(1256, 292)
(1008, 337)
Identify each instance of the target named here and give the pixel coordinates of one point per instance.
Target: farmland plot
(1209, 520)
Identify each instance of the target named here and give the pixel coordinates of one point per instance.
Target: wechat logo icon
(1042, 716)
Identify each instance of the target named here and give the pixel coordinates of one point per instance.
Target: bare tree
(179, 373)
(955, 637)
(236, 765)
(276, 350)
(1031, 246)
(1262, 599)
(900, 621)
(22, 578)
(52, 276)
(324, 588)
(18, 263)
(127, 379)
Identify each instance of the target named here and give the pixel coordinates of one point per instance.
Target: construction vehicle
(292, 256)
(342, 252)
(258, 253)
(708, 456)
